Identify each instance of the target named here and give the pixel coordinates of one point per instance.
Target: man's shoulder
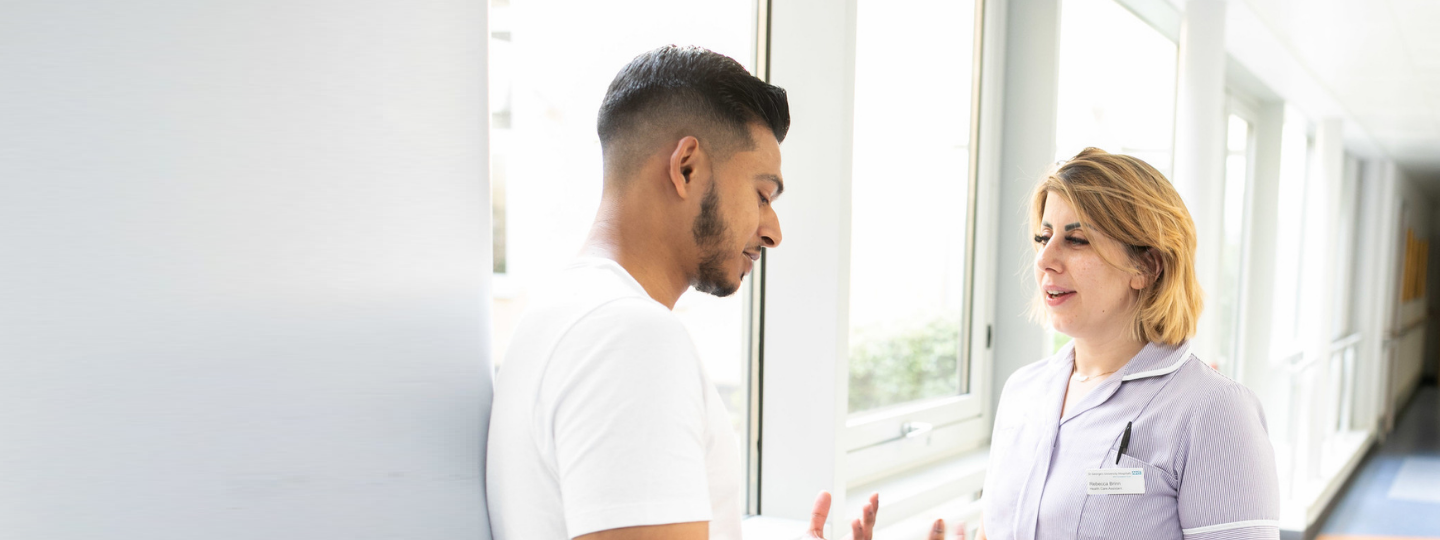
(601, 329)
(587, 312)
(586, 289)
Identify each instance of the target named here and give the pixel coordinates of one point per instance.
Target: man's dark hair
(672, 92)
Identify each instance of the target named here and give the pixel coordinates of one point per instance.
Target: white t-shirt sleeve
(629, 420)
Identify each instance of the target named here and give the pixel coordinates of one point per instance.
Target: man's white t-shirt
(604, 418)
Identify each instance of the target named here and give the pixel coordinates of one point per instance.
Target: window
(1290, 230)
(1117, 89)
(548, 76)
(1347, 229)
(911, 216)
(1227, 297)
(1117, 84)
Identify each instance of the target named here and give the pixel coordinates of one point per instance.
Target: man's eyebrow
(1072, 226)
(779, 184)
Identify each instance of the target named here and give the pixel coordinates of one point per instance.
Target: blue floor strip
(1397, 490)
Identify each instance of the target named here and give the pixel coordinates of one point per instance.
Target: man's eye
(764, 199)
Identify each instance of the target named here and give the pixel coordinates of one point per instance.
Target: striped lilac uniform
(1199, 437)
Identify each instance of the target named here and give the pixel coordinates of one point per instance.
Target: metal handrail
(1297, 361)
(1396, 336)
(1295, 366)
(1345, 342)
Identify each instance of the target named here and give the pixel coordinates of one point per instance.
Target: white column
(1032, 80)
(1389, 298)
(806, 356)
(1375, 303)
(1256, 367)
(245, 289)
(1258, 272)
(1316, 304)
(1200, 143)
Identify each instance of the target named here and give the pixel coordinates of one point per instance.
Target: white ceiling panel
(1373, 63)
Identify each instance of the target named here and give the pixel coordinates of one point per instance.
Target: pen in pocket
(1124, 443)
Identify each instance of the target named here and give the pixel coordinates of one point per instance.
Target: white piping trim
(1162, 371)
(1231, 525)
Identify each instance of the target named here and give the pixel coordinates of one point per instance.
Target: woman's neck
(1094, 357)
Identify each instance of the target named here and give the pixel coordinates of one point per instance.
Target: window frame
(1240, 105)
(876, 441)
(506, 285)
(804, 388)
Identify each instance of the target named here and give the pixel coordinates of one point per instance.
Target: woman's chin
(1063, 328)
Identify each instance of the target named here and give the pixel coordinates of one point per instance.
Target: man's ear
(683, 163)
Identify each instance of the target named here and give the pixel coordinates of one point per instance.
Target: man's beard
(709, 231)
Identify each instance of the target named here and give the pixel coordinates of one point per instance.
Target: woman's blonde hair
(1126, 199)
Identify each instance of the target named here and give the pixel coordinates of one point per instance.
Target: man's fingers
(937, 532)
(871, 510)
(819, 514)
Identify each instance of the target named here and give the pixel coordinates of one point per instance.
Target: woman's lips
(1055, 297)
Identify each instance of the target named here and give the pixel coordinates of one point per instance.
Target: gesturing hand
(860, 529)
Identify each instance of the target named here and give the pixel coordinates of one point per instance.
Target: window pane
(909, 200)
(1227, 299)
(1290, 230)
(548, 76)
(1117, 84)
(1347, 225)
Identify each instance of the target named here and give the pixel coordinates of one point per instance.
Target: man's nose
(770, 231)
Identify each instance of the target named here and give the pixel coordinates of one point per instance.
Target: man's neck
(636, 244)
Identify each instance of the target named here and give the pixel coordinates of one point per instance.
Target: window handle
(915, 429)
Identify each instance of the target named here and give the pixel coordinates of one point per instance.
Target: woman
(1123, 433)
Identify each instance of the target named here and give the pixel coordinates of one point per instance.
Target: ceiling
(1373, 63)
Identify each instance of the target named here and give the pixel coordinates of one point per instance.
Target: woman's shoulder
(1200, 390)
(1029, 375)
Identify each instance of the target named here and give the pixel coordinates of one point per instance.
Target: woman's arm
(1228, 483)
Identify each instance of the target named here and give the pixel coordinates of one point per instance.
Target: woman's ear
(1150, 269)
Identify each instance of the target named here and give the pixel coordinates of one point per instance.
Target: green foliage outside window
(904, 364)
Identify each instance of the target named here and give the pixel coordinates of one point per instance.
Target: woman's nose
(1047, 259)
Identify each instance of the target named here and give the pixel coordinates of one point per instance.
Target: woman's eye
(1077, 241)
(1042, 239)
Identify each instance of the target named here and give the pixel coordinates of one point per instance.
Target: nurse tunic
(1198, 441)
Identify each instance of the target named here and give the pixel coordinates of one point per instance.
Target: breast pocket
(1150, 515)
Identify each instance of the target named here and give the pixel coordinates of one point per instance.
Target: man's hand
(860, 529)
(695, 530)
(937, 531)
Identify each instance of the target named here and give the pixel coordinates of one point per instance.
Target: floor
(1396, 494)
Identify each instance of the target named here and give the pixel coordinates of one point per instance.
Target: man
(604, 424)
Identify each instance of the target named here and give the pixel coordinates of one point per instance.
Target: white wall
(807, 279)
(1027, 151)
(1409, 360)
(245, 256)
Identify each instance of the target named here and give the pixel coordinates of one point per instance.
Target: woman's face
(1085, 297)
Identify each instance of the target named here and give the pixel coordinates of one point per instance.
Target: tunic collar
(1154, 360)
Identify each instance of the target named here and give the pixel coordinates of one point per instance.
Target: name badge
(1115, 481)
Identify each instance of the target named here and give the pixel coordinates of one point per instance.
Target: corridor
(1396, 494)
